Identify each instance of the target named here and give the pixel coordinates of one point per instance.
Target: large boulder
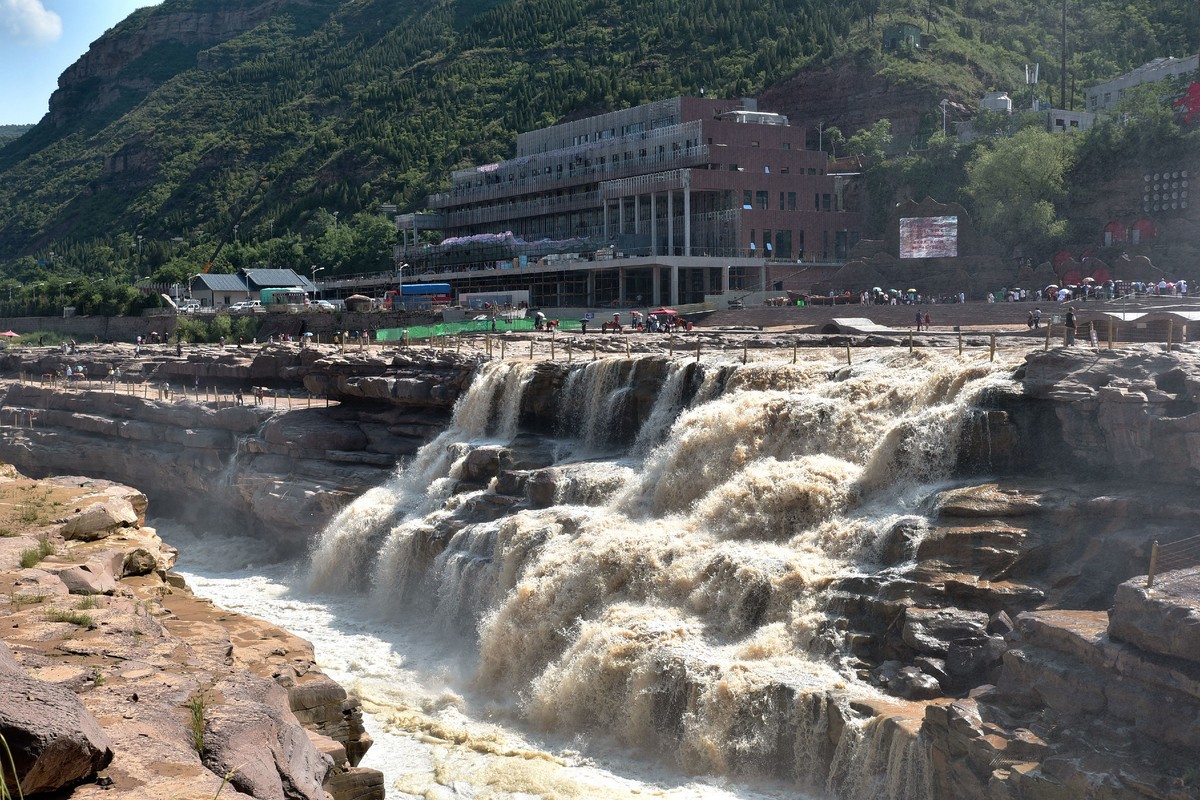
(931, 630)
(359, 783)
(254, 736)
(1164, 619)
(53, 739)
(100, 519)
(98, 574)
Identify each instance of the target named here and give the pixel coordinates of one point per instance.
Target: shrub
(69, 615)
(198, 707)
(32, 556)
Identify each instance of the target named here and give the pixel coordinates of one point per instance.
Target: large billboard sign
(928, 237)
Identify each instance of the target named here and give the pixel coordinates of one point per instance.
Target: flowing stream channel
(660, 624)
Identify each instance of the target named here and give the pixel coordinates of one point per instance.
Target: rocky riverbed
(990, 628)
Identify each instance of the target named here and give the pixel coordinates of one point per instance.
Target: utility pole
(1062, 92)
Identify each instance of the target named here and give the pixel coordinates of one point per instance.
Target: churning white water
(436, 737)
(671, 600)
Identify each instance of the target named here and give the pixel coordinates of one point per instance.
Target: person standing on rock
(928, 321)
(919, 322)
(1071, 324)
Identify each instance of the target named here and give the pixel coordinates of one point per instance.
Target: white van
(189, 306)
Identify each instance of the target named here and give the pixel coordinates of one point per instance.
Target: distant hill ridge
(163, 125)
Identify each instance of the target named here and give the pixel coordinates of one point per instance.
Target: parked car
(246, 306)
(323, 305)
(189, 306)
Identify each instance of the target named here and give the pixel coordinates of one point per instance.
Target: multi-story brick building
(665, 202)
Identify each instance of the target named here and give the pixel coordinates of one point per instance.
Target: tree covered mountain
(157, 134)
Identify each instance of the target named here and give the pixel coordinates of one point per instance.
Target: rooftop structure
(1103, 96)
(694, 185)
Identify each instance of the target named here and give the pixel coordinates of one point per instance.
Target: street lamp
(315, 270)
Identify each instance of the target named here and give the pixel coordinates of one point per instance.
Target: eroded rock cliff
(118, 680)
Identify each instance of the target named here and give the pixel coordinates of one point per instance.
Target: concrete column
(620, 215)
(675, 284)
(763, 271)
(687, 218)
(670, 222)
(725, 279)
(591, 288)
(654, 223)
(621, 285)
(604, 217)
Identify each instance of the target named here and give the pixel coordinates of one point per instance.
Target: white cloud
(28, 22)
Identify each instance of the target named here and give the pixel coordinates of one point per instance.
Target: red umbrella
(670, 312)
(9, 334)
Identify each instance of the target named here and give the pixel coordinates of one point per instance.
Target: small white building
(1103, 96)
(996, 101)
(1059, 120)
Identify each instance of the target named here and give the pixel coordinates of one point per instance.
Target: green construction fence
(470, 326)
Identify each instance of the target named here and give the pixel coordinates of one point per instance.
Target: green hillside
(348, 105)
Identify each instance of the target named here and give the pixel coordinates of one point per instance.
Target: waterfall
(676, 596)
(344, 553)
(592, 398)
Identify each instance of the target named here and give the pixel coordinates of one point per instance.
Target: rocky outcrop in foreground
(115, 679)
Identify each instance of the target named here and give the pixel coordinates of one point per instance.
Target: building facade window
(761, 200)
(783, 244)
(747, 200)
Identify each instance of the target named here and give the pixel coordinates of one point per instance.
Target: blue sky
(39, 39)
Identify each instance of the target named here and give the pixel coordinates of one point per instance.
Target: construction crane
(239, 211)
